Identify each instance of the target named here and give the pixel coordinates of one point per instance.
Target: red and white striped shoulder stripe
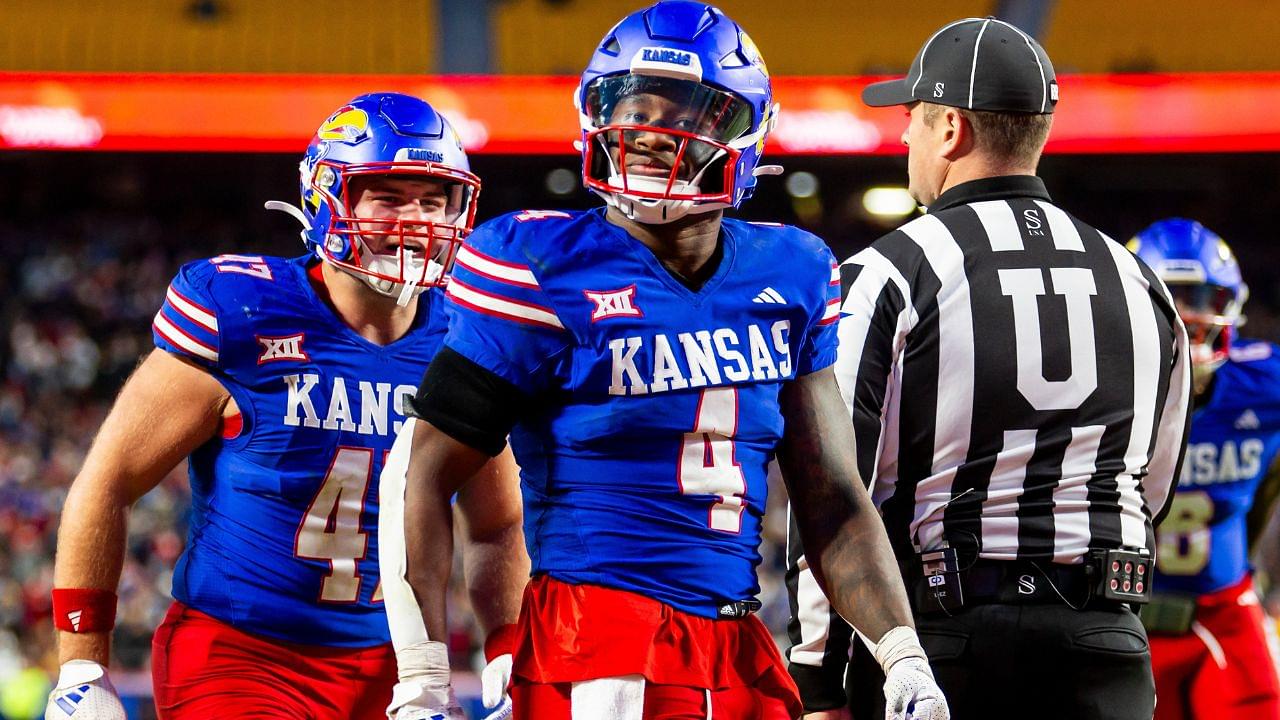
(494, 304)
(179, 310)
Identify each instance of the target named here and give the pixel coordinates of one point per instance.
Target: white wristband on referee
(899, 643)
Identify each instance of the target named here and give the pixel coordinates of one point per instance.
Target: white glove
(84, 692)
(423, 692)
(494, 680)
(910, 692)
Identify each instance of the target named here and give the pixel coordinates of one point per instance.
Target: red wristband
(84, 610)
(502, 641)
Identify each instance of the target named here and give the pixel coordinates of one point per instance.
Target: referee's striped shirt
(1019, 387)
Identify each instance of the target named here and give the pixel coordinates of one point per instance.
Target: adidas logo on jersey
(769, 295)
(1248, 420)
(74, 617)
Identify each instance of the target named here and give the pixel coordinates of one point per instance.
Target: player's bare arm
(167, 408)
(846, 544)
(438, 467)
(494, 560)
(845, 540)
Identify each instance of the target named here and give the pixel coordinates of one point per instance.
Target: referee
(1019, 383)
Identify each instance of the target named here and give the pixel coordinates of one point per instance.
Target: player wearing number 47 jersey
(648, 360)
(1209, 646)
(284, 383)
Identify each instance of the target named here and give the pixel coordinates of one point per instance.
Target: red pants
(1223, 668)
(572, 633)
(204, 669)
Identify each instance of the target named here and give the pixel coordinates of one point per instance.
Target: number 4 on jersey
(707, 462)
(330, 530)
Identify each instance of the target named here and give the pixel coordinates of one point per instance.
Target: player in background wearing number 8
(282, 381)
(648, 359)
(1209, 645)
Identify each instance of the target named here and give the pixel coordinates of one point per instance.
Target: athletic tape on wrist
(502, 641)
(424, 662)
(899, 643)
(84, 610)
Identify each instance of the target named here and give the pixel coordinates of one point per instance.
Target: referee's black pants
(1042, 661)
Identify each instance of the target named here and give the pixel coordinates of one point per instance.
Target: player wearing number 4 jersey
(1208, 642)
(283, 381)
(648, 360)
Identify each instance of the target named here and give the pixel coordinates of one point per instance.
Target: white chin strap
(427, 271)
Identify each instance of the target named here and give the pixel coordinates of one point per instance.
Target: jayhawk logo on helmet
(348, 124)
(751, 52)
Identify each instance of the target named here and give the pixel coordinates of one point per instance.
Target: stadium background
(89, 239)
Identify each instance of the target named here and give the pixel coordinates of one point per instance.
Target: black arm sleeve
(467, 402)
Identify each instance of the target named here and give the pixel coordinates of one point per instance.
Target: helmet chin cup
(649, 210)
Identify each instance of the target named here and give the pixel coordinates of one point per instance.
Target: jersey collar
(1002, 187)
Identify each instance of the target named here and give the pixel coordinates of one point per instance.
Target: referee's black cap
(978, 64)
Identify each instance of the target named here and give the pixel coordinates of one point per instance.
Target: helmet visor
(1209, 311)
(667, 103)
(1204, 301)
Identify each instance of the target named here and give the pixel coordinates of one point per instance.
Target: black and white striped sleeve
(875, 316)
(1173, 417)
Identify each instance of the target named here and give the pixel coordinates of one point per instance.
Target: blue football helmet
(386, 134)
(675, 106)
(1204, 278)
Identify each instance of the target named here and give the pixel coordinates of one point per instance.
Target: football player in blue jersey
(283, 382)
(1209, 648)
(647, 361)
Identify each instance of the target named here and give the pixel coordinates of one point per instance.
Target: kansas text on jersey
(283, 538)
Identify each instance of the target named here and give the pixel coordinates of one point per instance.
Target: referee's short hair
(1013, 137)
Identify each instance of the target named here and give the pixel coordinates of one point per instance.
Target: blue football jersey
(655, 407)
(1203, 541)
(283, 539)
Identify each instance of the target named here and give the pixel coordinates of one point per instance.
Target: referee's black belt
(1024, 582)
